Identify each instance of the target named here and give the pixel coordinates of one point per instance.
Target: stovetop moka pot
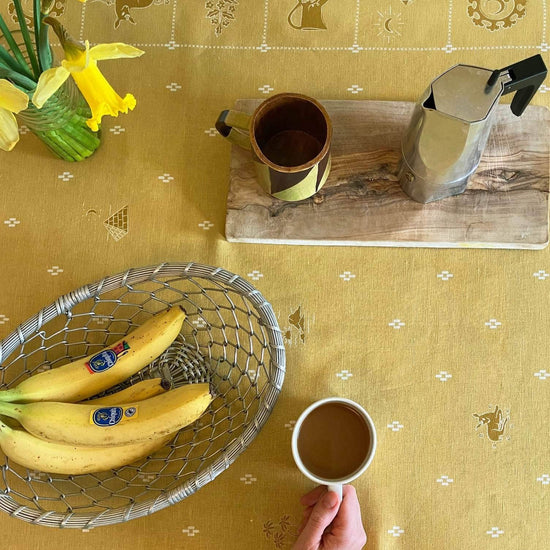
(452, 121)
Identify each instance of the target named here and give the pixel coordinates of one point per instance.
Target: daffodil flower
(12, 100)
(81, 63)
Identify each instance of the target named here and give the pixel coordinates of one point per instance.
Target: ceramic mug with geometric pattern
(289, 136)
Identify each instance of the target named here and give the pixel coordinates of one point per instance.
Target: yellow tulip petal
(11, 97)
(49, 82)
(115, 50)
(9, 132)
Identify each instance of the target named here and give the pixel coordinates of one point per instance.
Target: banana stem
(8, 396)
(11, 410)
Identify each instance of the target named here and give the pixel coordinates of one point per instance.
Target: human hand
(326, 526)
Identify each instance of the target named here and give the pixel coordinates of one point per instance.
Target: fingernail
(330, 500)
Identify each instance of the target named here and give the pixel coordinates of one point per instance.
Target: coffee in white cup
(334, 442)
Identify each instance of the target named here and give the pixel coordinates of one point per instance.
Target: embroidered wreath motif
(494, 15)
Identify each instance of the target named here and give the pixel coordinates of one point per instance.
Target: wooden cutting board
(504, 206)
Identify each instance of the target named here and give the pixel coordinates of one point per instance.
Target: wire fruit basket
(230, 338)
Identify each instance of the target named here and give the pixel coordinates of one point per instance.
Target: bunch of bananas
(57, 432)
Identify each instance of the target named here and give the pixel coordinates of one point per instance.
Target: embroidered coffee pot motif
(310, 14)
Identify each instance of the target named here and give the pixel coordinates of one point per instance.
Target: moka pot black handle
(527, 76)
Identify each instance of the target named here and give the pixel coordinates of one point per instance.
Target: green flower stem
(68, 144)
(80, 149)
(27, 38)
(52, 144)
(77, 128)
(43, 47)
(37, 21)
(27, 84)
(72, 140)
(78, 119)
(55, 137)
(14, 48)
(7, 61)
(84, 137)
(61, 123)
(72, 143)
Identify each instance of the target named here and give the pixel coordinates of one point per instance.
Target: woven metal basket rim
(63, 306)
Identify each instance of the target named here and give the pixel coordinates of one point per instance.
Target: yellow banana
(136, 392)
(100, 371)
(57, 458)
(81, 424)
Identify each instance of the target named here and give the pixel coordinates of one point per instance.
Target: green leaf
(37, 19)
(27, 38)
(9, 61)
(23, 67)
(27, 84)
(44, 50)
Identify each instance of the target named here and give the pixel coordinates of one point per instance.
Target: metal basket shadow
(230, 338)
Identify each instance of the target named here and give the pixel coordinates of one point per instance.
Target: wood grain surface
(504, 206)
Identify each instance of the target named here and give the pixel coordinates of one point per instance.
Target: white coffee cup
(334, 484)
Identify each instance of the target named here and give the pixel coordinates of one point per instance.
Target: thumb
(321, 516)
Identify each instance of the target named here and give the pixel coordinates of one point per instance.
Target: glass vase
(61, 124)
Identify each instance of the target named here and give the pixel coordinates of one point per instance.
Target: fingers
(348, 522)
(311, 498)
(319, 519)
(350, 511)
(305, 517)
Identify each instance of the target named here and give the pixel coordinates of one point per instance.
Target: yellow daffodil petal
(76, 59)
(73, 66)
(49, 82)
(11, 97)
(9, 132)
(114, 51)
(100, 96)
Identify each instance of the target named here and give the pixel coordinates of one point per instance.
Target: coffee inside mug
(290, 132)
(334, 441)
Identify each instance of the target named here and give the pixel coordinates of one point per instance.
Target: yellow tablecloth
(424, 339)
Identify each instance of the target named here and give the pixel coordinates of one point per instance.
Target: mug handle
(228, 125)
(337, 488)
